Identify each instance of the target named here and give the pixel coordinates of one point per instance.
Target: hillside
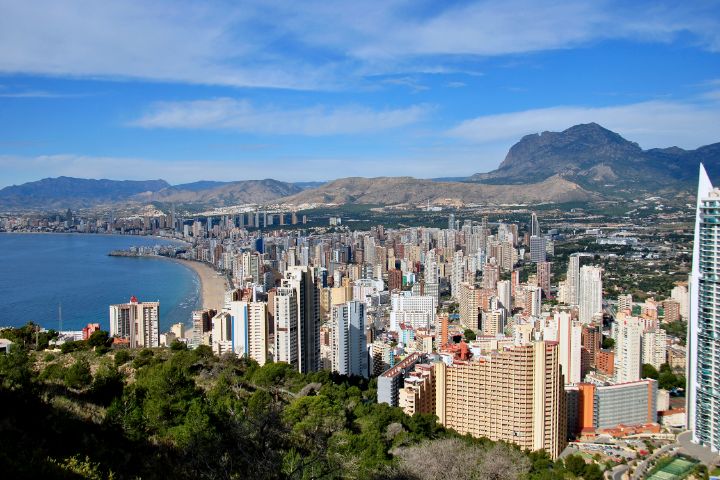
(397, 190)
(69, 192)
(93, 412)
(222, 194)
(597, 158)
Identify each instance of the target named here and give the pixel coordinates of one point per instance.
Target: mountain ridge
(582, 163)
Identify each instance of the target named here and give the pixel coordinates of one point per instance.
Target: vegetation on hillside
(178, 413)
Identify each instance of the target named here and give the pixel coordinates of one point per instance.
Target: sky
(317, 90)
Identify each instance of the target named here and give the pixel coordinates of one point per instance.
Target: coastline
(212, 285)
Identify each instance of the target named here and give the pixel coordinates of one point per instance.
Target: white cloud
(651, 124)
(315, 44)
(242, 116)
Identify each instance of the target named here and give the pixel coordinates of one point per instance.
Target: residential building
(348, 341)
(514, 395)
(138, 322)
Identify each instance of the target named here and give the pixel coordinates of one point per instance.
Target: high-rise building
(138, 322)
(590, 293)
(703, 343)
(469, 305)
(417, 311)
(573, 279)
(627, 332)
(249, 326)
(591, 344)
(349, 344)
(569, 339)
(538, 249)
(202, 326)
(654, 347)
(504, 296)
(624, 302)
(286, 325)
(297, 320)
(457, 274)
(680, 294)
(544, 276)
(534, 225)
(515, 395)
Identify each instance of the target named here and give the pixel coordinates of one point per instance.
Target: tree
(99, 338)
(608, 343)
(469, 334)
(575, 464)
(649, 371)
(122, 357)
(78, 375)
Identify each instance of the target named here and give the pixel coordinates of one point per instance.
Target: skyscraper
(573, 279)
(349, 344)
(249, 328)
(570, 347)
(538, 249)
(306, 316)
(703, 343)
(543, 270)
(138, 322)
(590, 293)
(628, 348)
(534, 225)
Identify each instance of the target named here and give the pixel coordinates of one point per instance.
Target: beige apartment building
(515, 395)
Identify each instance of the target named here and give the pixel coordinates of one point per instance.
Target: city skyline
(186, 91)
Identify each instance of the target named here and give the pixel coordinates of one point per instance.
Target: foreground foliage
(188, 414)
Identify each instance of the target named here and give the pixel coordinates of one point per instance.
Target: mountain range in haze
(583, 163)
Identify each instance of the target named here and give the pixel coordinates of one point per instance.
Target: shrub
(78, 375)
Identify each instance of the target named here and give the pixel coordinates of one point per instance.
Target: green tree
(107, 385)
(122, 357)
(469, 334)
(178, 346)
(608, 343)
(15, 369)
(575, 464)
(649, 371)
(100, 339)
(78, 374)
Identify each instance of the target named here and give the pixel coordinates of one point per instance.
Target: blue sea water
(38, 272)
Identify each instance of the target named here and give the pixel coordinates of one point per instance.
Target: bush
(53, 371)
(178, 346)
(107, 385)
(49, 357)
(143, 358)
(122, 357)
(78, 375)
(74, 346)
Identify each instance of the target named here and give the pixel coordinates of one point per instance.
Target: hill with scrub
(92, 412)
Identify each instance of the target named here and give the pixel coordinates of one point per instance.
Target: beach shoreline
(212, 285)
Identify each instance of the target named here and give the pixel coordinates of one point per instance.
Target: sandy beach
(212, 285)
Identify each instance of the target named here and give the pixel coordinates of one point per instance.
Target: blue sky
(318, 90)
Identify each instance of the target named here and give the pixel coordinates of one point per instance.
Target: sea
(44, 277)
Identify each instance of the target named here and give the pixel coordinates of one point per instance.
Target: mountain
(219, 194)
(597, 158)
(69, 192)
(397, 190)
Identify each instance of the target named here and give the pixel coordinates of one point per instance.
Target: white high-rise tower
(703, 343)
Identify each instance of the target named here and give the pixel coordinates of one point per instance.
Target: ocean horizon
(41, 273)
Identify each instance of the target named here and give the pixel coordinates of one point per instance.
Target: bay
(38, 272)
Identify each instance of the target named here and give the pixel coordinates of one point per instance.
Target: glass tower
(703, 395)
